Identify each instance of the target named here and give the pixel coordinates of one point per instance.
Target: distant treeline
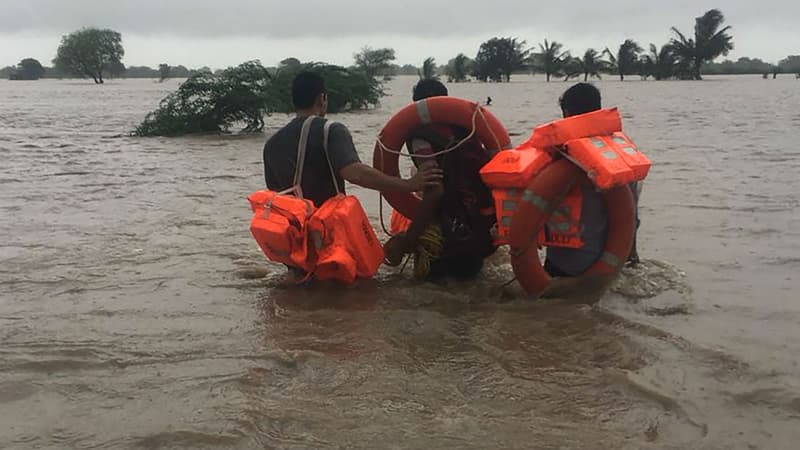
(11, 72)
(97, 54)
(743, 66)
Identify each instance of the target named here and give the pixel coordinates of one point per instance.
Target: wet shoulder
(285, 136)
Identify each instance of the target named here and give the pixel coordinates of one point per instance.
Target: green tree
(89, 53)
(498, 58)
(590, 65)
(428, 69)
(209, 102)
(709, 43)
(743, 65)
(7, 71)
(163, 72)
(551, 59)
(458, 68)
(790, 64)
(626, 60)
(115, 69)
(375, 62)
(659, 63)
(27, 69)
(290, 62)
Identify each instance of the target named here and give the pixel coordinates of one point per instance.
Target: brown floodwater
(136, 311)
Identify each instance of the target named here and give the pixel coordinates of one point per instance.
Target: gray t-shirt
(280, 158)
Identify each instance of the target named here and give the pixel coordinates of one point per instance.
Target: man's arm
(346, 163)
(371, 178)
(426, 212)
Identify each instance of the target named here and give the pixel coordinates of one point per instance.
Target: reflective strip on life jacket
(564, 228)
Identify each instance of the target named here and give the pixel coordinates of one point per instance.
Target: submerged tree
(790, 64)
(659, 63)
(625, 61)
(458, 68)
(375, 62)
(348, 89)
(428, 69)
(498, 58)
(209, 102)
(27, 69)
(163, 72)
(212, 103)
(591, 65)
(551, 59)
(90, 53)
(709, 43)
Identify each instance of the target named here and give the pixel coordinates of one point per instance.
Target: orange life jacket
(593, 141)
(602, 122)
(344, 241)
(514, 168)
(345, 246)
(279, 227)
(399, 223)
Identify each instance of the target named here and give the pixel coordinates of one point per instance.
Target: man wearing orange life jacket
(571, 262)
(309, 98)
(461, 206)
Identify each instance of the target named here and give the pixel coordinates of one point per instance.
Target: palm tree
(709, 42)
(590, 65)
(458, 68)
(659, 63)
(551, 59)
(626, 59)
(428, 69)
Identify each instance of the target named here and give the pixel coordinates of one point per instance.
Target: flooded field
(136, 311)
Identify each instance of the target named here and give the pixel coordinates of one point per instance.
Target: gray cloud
(765, 28)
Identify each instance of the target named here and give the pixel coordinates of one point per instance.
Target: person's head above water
(309, 94)
(429, 88)
(580, 99)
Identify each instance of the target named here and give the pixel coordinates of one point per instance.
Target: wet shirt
(280, 159)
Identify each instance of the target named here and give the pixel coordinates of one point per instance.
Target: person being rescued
(566, 265)
(451, 232)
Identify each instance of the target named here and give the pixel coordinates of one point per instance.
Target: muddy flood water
(136, 311)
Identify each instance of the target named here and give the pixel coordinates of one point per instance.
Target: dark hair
(429, 87)
(306, 87)
(580, 99)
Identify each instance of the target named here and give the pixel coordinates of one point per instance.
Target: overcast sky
(221, 33)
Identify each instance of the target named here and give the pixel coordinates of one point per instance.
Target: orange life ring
(540, 197)
(435, 110)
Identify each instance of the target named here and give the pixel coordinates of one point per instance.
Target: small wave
(650, 278)
(189, 439)
(784, 261)
(73, 173)
(223, 177)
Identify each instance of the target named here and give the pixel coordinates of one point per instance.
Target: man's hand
(426, 177)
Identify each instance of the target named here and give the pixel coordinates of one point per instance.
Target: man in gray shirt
(280, 152)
